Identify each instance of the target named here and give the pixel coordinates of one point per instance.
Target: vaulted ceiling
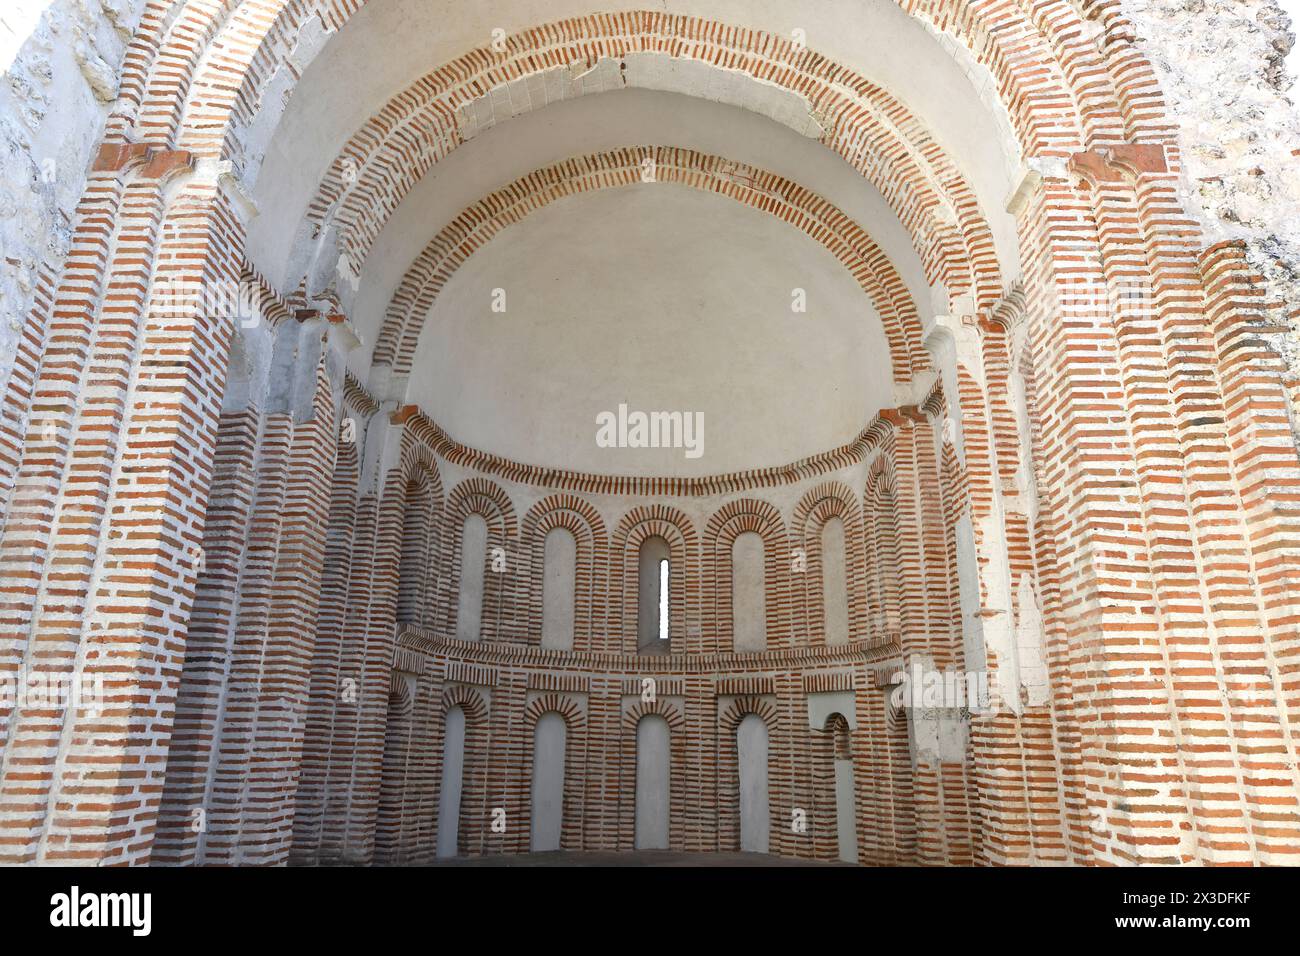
(651, 198)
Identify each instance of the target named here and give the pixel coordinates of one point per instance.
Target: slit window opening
(663, 599)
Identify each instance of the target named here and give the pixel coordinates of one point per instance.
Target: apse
(660, 298)
(621, 407)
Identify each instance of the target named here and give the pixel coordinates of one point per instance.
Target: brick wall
(1094, 505)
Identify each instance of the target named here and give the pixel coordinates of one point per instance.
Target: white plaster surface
(748, 605)
(469, 611)
(751, 743)
(548, 782)
(846, 824)
(652, 783)
(559, 584)
(661, 298)
(449, 791)
(835, 592)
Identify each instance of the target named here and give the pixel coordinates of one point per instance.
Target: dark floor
(633, 858)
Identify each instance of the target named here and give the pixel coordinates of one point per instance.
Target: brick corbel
(404, 414)
(115, 157)
(164, 163)
(900, 416)
(333, 318)
(1122, 162)
(154, 163)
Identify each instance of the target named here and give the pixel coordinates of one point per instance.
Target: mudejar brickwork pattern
(324, 625)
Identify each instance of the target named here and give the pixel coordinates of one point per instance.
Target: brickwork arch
(849, 242)
(836, 726)
(421, 528)
(677, 770)
(830, 499)
(830, 743)
(480, 496)
(1113, 91)
(474, 814)
(574, 714)
(683, 586)
(590, 572)
(728, 523)
(728, 802)
(467, 698)
(870, 129)
(883, 552)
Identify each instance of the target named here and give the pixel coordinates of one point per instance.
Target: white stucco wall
(748, 596)
(755, 814)
(469, 607)
(548, 782)
(449, 791)
(559, 581)
(835, 590)
(652, 783)
(661, 298)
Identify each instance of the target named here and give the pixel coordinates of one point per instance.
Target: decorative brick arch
(728, 801)
(398, 337)
(720, 534)
(677, 770)
(480, 496)
(392, 823)
(836, 727)
(418, 461)
(573, 710)
(829, 743)
(474, 812)
(400, 698)
(741, 707)
(869, 128)
(821, 503)
(591, 566)
(421, 528)
(683, 585)
(467, 698)
(883, 548)
(1030, 56)
(670, 712)
(198, 70)
(900, 769)
(858, 451)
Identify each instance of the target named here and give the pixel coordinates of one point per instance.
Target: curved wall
(739, 546)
